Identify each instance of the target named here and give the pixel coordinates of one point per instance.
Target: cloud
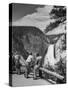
(45, 11)
(40, 18)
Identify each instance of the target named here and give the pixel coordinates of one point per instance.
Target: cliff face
(32, 40)
(56, 52)
(57, 41)
(28, 40)
(60, 48)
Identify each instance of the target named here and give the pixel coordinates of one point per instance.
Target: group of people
(33, 62)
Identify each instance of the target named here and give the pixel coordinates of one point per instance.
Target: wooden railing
(52, 73)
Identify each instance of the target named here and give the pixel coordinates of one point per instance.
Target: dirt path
(19, 80)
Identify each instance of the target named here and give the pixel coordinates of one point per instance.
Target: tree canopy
(58, 13)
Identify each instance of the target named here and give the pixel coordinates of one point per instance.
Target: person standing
(37, 65)
(17, 64)
(28, 61)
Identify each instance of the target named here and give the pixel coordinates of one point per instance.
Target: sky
(31, 15)
(20, 10)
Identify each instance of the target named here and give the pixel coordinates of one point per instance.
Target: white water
(49, 57)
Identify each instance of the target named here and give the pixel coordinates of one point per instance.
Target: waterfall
(49, 57)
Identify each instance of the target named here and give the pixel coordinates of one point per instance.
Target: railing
(52, 73)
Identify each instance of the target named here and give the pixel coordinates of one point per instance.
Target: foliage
(58, 13)
(61, 68)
